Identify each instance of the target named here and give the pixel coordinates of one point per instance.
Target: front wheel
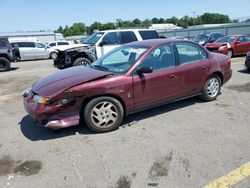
(53, 55)
(81, 62)
(4, 64)
(103, 114)
(212, 88)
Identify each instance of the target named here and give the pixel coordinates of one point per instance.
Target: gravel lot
(185, 144)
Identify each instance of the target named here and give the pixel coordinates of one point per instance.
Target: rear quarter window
(149, 35)
(62, 43)
(26, 44)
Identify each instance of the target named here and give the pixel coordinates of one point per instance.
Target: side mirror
(102, 43)
(143, 70)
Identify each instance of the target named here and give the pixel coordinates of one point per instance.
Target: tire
(208, 93)
(103, 114)
(81, 62)
(248, 69)
(229, 53)
(53, 55)
(4, 64)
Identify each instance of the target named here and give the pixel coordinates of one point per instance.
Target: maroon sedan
(131, 78)
(231, 45)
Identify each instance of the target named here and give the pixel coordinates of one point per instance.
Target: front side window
(241, 39)
(52, 44)
(127, 36)
(40, 45)
(160, 58)
(120, 59)
(189, 52)
(62, 43)
(110, 38)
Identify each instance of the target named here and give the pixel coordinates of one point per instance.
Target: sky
(34, 15)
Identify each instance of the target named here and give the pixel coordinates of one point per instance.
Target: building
(44, 37)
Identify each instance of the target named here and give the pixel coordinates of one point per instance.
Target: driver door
(162, 84)
(108, 43)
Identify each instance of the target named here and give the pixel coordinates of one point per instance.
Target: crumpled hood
(55, 83)
(215, 45)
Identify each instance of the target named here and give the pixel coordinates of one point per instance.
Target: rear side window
(26, 44)
(52, 44)
(62, 43)
(189, 52)
(127, 36)
(149, 35)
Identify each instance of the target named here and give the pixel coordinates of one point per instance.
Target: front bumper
(54, 117)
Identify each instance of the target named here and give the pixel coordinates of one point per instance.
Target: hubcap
(104, 114)
(229, 53)
(83, 63)
(54, 55)
(2, 65)
(213, 87)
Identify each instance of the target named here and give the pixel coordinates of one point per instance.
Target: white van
(33, 49)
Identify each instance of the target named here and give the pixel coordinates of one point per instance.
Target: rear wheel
(4, 64)
(81, 62)
(212, 88)
(103, 114)
(229, 53)
(248, 69)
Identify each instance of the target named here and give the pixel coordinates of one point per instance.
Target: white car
(58, 43)
(35, 50)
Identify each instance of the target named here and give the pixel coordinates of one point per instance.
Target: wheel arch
(220, 75)
(88, 99)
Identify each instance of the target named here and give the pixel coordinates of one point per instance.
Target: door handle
(204, 67)
(172, 76)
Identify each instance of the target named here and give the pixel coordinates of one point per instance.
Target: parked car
(34, 50)
(131, 78)
(59, 43)
(203, 39)
(247, 61)
(98, 44)
(231, 45)
(8, 54)
(178, 37)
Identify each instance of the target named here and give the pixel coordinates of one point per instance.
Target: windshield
(225, 39)
(92, 39)
(120, 59)
(201, 37)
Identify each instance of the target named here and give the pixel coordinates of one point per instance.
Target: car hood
(55, 83)
(215, 45)
(68, 47)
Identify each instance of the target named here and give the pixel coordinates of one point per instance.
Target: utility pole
(194, 14)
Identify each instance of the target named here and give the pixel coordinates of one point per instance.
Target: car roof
(115, 30)
(156, 42)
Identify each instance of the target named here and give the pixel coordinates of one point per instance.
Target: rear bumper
(227, 75)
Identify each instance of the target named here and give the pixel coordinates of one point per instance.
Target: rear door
(26, 50)
(109, 41)
(194, 66)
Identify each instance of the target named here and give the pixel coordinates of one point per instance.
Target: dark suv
(8, 54)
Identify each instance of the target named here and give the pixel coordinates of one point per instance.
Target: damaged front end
(66, 58)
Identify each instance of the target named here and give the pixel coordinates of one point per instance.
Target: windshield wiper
(100, 67)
